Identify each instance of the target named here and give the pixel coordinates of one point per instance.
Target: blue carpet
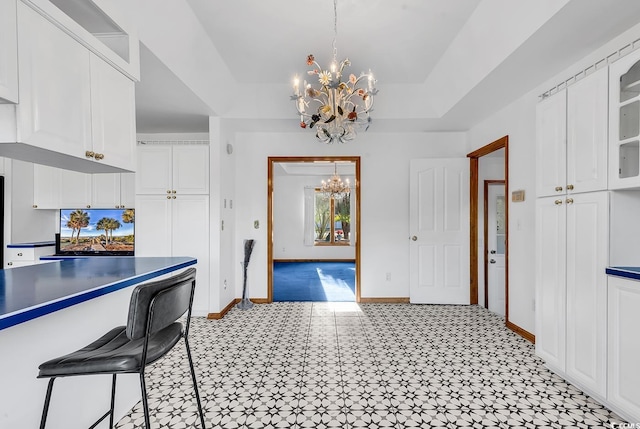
(314, 281)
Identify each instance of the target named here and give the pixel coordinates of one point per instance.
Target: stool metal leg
(195, 383)
(145, 404)
(47, 400)
(113, 400)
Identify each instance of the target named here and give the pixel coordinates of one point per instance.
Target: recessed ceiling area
(440, 65)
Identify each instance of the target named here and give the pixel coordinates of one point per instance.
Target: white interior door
(439, 231)
(496, 241)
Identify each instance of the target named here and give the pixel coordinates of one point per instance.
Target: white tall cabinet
(172, 207)
(572, 226)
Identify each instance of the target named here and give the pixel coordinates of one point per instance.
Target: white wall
(288, 221)
(384, 198)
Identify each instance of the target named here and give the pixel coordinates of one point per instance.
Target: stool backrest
(160, 303)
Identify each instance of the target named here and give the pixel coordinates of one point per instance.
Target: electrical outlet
(225, 284)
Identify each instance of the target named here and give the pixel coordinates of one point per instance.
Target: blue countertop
(29, 292)
(30, 245)
(626, 272)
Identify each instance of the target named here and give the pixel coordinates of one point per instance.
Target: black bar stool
(151, 332)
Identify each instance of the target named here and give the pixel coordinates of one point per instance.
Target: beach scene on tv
(97, 230)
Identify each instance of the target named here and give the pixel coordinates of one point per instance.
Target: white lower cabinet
(170, 225)
(571, 284)
(624, 347)
(23, 255)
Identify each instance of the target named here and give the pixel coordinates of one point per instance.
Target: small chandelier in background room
(335, 187)
(338, 105)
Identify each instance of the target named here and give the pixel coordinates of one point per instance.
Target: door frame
(270, 164)
(488, 183)
(474, 157)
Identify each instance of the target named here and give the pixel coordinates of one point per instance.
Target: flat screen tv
(96, 232)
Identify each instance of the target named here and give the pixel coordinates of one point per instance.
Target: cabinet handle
(569, 187)
(90, 154)
(173, 192)
(35, 206)
(99, 156)
(168, 191)
(9, 263)
(558, 188)
(569, 200)
(88, 206)
(20, 254)
(174, 197)
(168, 197)
(558, 202)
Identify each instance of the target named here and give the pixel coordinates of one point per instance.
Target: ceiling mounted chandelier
(338, 105)
(335, 187)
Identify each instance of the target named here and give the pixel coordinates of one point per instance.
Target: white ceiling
(440, 64)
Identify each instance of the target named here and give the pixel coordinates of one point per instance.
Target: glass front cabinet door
(624, 123)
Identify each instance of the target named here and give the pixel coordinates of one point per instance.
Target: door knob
(414, 238)
(492, 261)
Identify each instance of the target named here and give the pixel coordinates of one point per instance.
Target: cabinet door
(46, 187)
(624, 122)
(551, 145)
(153, 174)
(153, 225)
(587, 119)
(8, 52)
(127, 190)
(551, 281)
(113, 115)
(624, 346)
(55, 107)
(587, 259)
(190, 230)
(75, 190)
(191, 169)
(105, 192)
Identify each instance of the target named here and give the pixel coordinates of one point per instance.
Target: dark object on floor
(245, 303)
(151, 332)
(314, 281)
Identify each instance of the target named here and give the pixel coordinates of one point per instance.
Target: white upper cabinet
(113, 116)
(113, 190)
(551, 145)
(55, 90)
(624, 122)
(571, 138)
(173, 169)
(8, 52)
(587, 120)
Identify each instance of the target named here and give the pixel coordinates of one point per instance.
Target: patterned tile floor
(344, 365)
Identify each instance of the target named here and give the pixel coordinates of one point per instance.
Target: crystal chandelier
(335, 187)
(335, 107)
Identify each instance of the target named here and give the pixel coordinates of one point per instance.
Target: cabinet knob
(558, 188)
(35, 206)
(557, 202)
(569, 187)
(20, 254)
(90, 154)
(168, 191)
(9, 263)
(173, 192)
(99, 156)
(569, 200)
(168, 197)
(88, 206)
(174, 197)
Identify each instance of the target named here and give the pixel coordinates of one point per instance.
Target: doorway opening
(474, 158)
(285, 243)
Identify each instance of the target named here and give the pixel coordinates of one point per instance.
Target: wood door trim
(487, 183)
(270, 162)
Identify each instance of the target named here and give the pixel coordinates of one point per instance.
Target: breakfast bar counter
(48, 310)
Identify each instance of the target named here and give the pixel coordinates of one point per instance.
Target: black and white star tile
(347, 365)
